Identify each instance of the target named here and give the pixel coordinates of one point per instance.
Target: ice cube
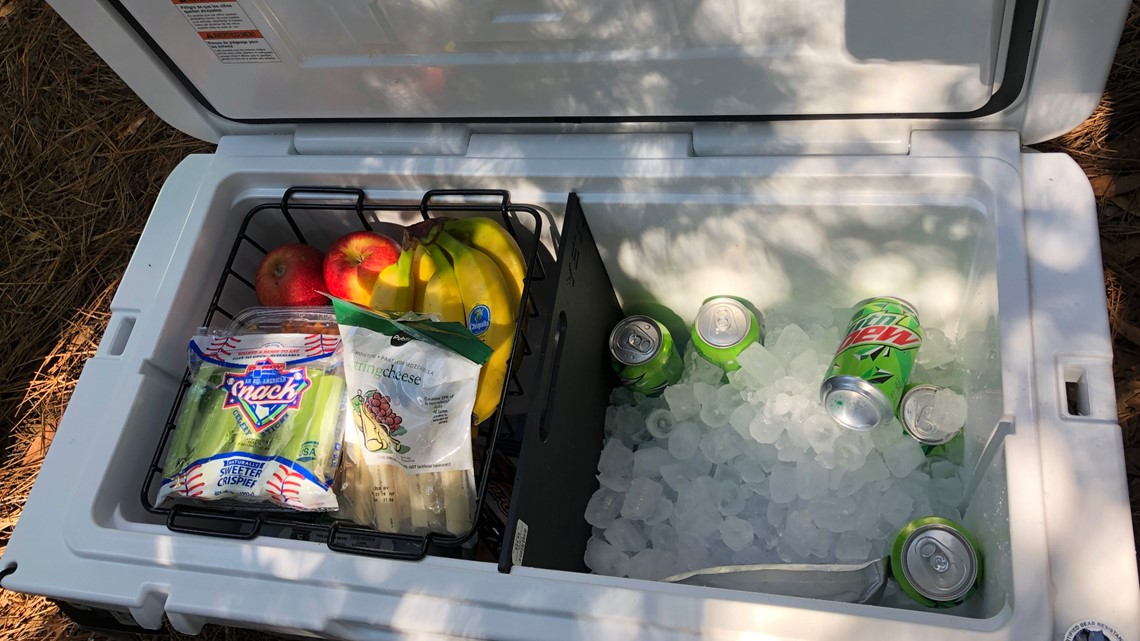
(651, 564)
(623, 422)
(791, 342)
(603, 558)
(699, 370)
(684, 440)
(946, 491)
(883, 436)
(616, 483)
(736, 533)
(822, 549)
(603, 507)
(801, 533)
(641, 499)
(822, 433)
(675, 476)
(753, 555)
(776, 513)
(937, 349)
(751, 471)
(662, 513)
(760, 364)
(811, 480)
(715, 414)
(704, 392)
(765, 429)
(903, 456)
(851, 449)
(949, 411)
(942, 469)
(790, 451)
(622, 396)
(782, 483)
(624, 535)
(779, 406)
(692, 553)
(730, 499)
(821, 313)
(663, 537)
(761, 489)
(805, 367)
(727, 472)
(741, 419)
(616, 459)
(682, 400)
(832, 514)
(648, 461)
(897, 506)
(874, 469)
(660, 422)
(763, 453)
(852, 548)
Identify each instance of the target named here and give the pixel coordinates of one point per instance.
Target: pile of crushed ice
(753, 471)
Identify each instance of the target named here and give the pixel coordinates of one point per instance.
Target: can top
(895, 300)
(915, 410)
(635, 340)
(939, 562)
(854, 403)
(723, 321)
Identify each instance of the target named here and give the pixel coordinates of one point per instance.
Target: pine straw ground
(82, 160)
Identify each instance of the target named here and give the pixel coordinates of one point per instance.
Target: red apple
(354, 261)
(291, 276)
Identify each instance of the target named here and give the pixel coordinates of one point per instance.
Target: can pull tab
(947, 568)
(722, 320)
(639, 341)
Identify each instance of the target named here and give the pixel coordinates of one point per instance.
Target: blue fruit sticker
(479, 319)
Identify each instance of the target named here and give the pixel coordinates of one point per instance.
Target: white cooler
(788, 151)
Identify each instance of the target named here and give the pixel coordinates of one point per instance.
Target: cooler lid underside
(263, 61)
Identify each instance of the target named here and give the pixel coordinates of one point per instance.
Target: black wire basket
(308, 208)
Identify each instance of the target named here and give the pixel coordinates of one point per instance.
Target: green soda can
(869, 372)
(644, 356)
(915, 412)
(936, 562)
(724, 327)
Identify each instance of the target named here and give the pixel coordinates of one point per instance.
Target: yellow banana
(422, 269)
(489, 315)
(441, 294)
(393, 289)
(491, 238)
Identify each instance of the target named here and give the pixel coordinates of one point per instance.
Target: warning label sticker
(227, 30)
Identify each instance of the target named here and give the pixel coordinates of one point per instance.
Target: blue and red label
(265, 392)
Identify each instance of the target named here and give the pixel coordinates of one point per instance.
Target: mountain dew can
(869, 372)
(725, 326)
(936, 562)
(644, 356)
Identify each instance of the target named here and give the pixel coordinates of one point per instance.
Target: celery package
(262, 421)
(411, 385)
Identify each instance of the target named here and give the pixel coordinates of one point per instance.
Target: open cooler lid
(212, 66)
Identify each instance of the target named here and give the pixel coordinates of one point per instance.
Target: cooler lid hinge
(803, 138)
(389, 139)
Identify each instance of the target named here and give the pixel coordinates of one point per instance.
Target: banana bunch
(468, 271)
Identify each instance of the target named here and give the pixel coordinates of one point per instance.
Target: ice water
(747, 468)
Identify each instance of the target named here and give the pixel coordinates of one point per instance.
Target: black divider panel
(558, 460)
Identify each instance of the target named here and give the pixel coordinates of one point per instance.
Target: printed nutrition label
(226, 28)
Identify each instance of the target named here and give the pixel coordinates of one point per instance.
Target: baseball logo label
(265, 392)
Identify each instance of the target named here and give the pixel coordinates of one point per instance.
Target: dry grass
(82, 160)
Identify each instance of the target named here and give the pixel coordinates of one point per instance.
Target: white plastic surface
(92, 543)
(353, 60)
